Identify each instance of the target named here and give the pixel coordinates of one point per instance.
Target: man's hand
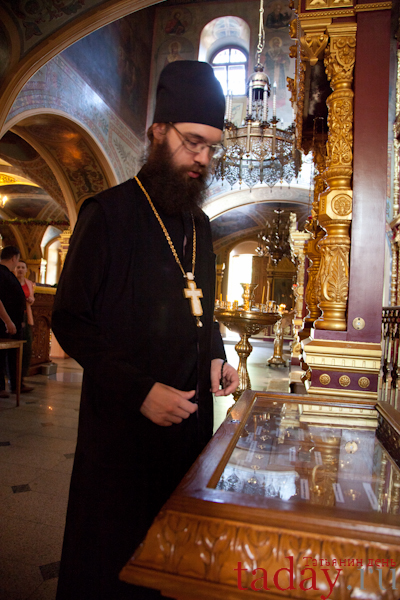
(10, 328)
(165, 405)
(230, 378)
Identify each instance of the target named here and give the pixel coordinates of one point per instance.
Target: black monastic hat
(188, 92)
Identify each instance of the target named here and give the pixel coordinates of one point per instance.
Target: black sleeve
(75, 323)
(217, 346)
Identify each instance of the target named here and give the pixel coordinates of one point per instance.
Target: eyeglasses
(214, 150)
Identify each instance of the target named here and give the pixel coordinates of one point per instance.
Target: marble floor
(37, 444)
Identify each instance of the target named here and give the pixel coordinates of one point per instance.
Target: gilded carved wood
(335, 205)
(206, 549)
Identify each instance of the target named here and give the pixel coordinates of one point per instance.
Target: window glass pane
(237, 56)
(222, 57)
(237, 80)
(220, 74)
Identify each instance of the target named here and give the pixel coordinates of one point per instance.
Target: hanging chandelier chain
(261, 34)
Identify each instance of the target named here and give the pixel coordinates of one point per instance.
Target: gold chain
(171, 245)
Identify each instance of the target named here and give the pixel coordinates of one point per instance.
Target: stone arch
(74, 156)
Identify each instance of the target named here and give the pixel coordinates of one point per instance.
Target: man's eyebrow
(196, 136)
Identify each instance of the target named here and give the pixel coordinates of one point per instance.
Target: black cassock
(120, 311)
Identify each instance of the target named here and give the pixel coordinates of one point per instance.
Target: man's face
(191, 164)
(177, 175)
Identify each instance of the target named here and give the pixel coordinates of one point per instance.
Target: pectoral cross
(193, 294)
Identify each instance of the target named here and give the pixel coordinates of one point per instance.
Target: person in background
(27, 286)
(12, 307)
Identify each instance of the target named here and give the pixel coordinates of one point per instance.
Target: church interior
(304, 212)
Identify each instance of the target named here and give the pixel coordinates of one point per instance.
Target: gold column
(393, 280)
(335, 206)
(64, 244)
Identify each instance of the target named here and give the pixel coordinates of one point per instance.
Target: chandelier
(257, 151)
(273, 241)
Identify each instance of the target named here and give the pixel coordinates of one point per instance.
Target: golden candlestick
(246, 322)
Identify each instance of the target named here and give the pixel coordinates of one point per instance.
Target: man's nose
(203, 157)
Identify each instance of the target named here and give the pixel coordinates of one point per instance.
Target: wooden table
(18, 344)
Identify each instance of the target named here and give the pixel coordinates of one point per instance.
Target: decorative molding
(325, 379)
(373, 6)
(352, 360)
(316, 12)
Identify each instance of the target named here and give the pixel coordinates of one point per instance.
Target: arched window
(225, 43)
(230, 68)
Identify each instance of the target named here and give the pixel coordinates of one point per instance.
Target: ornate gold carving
(6, 179)
(364, 382)
(325, 379)
(339, 59)
(313, 45)
(393, 281)
(373, 6)
(342, 205)
(64, 244)
(324, 4)
(297, 87)
(203, 549)
(336, 202)
(344, 380)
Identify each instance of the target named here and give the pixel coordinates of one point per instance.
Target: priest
(134, 307)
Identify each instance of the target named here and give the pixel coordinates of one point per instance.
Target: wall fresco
(59, 87)
(115, 62)
(178, 29)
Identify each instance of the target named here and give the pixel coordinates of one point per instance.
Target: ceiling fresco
(74, 156)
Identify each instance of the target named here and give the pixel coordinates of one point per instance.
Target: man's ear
(159, 131)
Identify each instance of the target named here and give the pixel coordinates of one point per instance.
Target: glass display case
(292, 497)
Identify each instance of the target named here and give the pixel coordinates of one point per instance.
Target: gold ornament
(342, 205)
(325, 379)
(364, 382)
(344, 380)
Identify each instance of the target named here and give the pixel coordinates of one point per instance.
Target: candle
(265, 105)
(250, 100)
(220, 297)
(230, 107)
(262, 299)
(274, 100)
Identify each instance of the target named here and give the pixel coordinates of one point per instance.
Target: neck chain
(191, 292)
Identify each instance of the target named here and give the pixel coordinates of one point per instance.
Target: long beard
(170, 187)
